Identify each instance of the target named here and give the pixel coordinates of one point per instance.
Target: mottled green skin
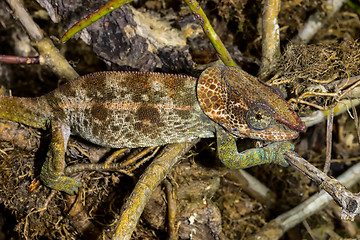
(132, 109)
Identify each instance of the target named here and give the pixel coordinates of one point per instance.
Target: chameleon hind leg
(52, 172)
(229, 155)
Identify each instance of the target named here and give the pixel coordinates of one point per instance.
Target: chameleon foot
(61, 183)
(277, 150)
(52, 172)
(229, 155)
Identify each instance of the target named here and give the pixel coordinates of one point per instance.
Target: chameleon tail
(33, 112)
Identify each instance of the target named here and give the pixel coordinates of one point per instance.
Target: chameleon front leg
(52, 172)
(229, 155)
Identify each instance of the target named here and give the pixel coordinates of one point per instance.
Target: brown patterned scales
(135, 109)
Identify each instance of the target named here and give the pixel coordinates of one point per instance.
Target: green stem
(210, 33)
(93, 17)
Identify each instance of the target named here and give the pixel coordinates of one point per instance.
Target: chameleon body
(137, 109)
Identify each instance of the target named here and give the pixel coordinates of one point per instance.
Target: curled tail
(33, 112)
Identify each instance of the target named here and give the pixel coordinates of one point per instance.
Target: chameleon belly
(131, 109)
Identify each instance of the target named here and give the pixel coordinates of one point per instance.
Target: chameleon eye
(259, 117)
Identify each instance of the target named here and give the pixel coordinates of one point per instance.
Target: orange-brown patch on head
(211, 95)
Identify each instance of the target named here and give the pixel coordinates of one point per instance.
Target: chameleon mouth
(298, 126)
(275, 132)
(274, 135)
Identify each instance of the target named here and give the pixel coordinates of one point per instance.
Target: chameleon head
(245, 106)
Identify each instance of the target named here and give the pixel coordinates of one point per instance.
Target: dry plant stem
(342, 83)
(55, 60)
(341, 107)
(143, 160)
(210, 33)
(114, 167)
(270, 35)
(48, 52)
(48, 200)
(312, 94)
(316, 21)
(350, 228)
(349, 202)
(306, 103)
(329, 130)
(138, 156)
(7, 59)
(117, 154)
(347, 91)
(93, 17)
(278, 226)
(357, 123)
(308, 229)
(143, 190)
(26, 20)
(171, 204)
(101, 167)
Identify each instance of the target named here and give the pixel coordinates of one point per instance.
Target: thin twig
(316, 21)
(117, 154)
(101, 167)
(171, 203)
(270, 36)
(357, 123)
(341, 107)
(342, 83)
(347, 91)
(7, 59)
(145, 159)
(26, 20)
(48, 52)
(309, 230)
(278, 226)
(138, 156)
(349, 202)
(329, 129)
(293, 100)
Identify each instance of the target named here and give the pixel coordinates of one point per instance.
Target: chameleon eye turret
(259, 117)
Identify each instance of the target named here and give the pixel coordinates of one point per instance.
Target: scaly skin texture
(134, 109)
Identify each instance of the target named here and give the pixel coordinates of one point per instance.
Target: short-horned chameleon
(140, 109)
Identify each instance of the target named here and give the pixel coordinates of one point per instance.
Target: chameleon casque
(140, 109)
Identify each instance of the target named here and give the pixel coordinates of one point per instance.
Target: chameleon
(141, 109)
